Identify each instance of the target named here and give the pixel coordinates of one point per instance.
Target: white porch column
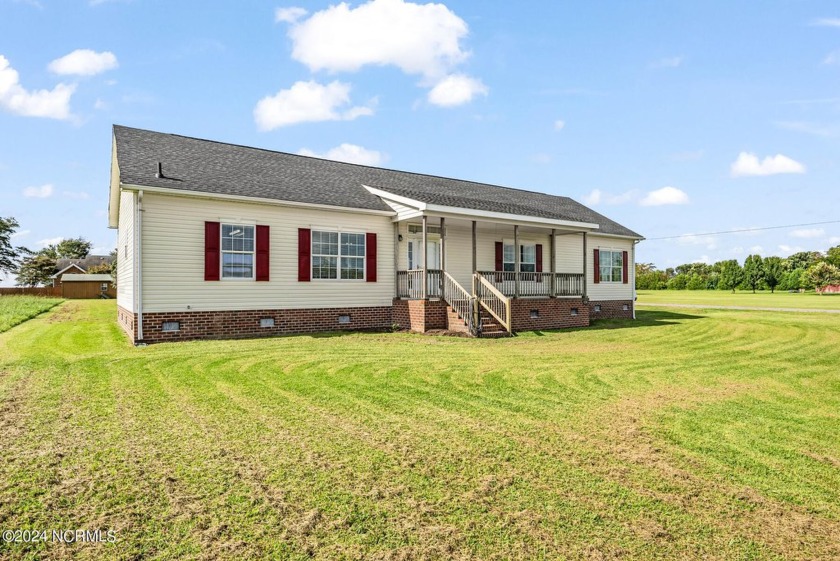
(553, 266)
(474, 239)
(516, 261)
(585, 251)
(425, 283)
(442, 252)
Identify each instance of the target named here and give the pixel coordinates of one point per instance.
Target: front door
(415, 259)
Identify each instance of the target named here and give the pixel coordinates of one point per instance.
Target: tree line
(36, 268)
(806, 270)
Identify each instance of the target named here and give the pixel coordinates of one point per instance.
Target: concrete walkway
(708, 307)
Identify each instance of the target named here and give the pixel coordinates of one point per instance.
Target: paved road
(707, 307)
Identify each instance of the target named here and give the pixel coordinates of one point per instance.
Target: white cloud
(748, 164)
(419, 39)
(832, 58)
(559, 124)
(54, 104)
(597, 197)
(787, 250)
(665, 196)
(807, 233)
(307, 102)
(42, 192)
(84, 62)
(50, 241)
(289, 15)
(20, 234)
(667, 62)
(456, 89)
(350, 153)
(826, 22)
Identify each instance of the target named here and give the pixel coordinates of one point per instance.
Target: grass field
(17, 309)
(681, 435)
(761, 299)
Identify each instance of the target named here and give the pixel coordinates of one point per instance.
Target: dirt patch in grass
(64, 313)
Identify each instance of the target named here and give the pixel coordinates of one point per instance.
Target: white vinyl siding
(608, 290)
(173, 257)
(125, 252)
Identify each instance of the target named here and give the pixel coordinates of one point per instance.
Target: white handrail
(496, 300)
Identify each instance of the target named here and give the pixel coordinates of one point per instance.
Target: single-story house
(219, 240)
(96, 285)
(79, 266)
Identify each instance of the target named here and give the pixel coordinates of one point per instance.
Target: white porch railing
(410, 284)
(536, 284)
(460, 300)
(491, 299)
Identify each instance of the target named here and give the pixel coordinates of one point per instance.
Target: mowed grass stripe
(663, 439)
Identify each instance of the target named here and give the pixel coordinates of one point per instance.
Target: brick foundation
(611, 309)
(126, 321)
(551, 313)
(246, 323)
(420, 315)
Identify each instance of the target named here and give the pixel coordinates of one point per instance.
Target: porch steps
(490, 327)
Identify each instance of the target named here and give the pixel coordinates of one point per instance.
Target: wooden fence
(31, 291)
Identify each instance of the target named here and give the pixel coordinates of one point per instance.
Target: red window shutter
(539, 258)
(370, 254)
(624, 278)
(212, 237)
(597, 261)
(304, 254)
(500, 256)
(262, 253)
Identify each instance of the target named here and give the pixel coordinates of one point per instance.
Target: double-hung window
(527, 258)
(338, 255)
(611, 264)
(237, 251)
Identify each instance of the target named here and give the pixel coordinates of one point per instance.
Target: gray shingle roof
(191, 164)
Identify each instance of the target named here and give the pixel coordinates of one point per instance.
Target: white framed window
(237, 251)
(103, 287)
(338, 255)
(527, 257)
(611, 264)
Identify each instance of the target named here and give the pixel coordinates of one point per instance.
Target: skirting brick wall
(611, 309)
(420, 315)
(246, 323)
(551, 313)
(126, 321)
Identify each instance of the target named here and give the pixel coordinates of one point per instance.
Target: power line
(744, 230)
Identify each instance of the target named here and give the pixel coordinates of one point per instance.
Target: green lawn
(761, 299)
(18, 309)
(682, 435)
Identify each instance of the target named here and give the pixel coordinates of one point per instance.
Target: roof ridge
(377, 168)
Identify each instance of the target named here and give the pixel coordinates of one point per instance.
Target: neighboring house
(78, 266)
(75, 285)
(218, 240)
(829, 289)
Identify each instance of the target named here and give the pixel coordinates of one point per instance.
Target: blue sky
(669, 117)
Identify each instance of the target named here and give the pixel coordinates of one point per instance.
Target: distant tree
(753, 272)
(823, 273)
(773, 272)
(9, 254)
(101, 269)
(648, 277)
(802, 260)
(833, 256)
(73, 248)
(731, 275)
(678, 282)
(793, 280)
(36, 270)
(696, 282)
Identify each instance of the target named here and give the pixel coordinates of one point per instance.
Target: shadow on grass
(644, 318)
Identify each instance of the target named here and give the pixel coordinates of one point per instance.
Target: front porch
(443, 262)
